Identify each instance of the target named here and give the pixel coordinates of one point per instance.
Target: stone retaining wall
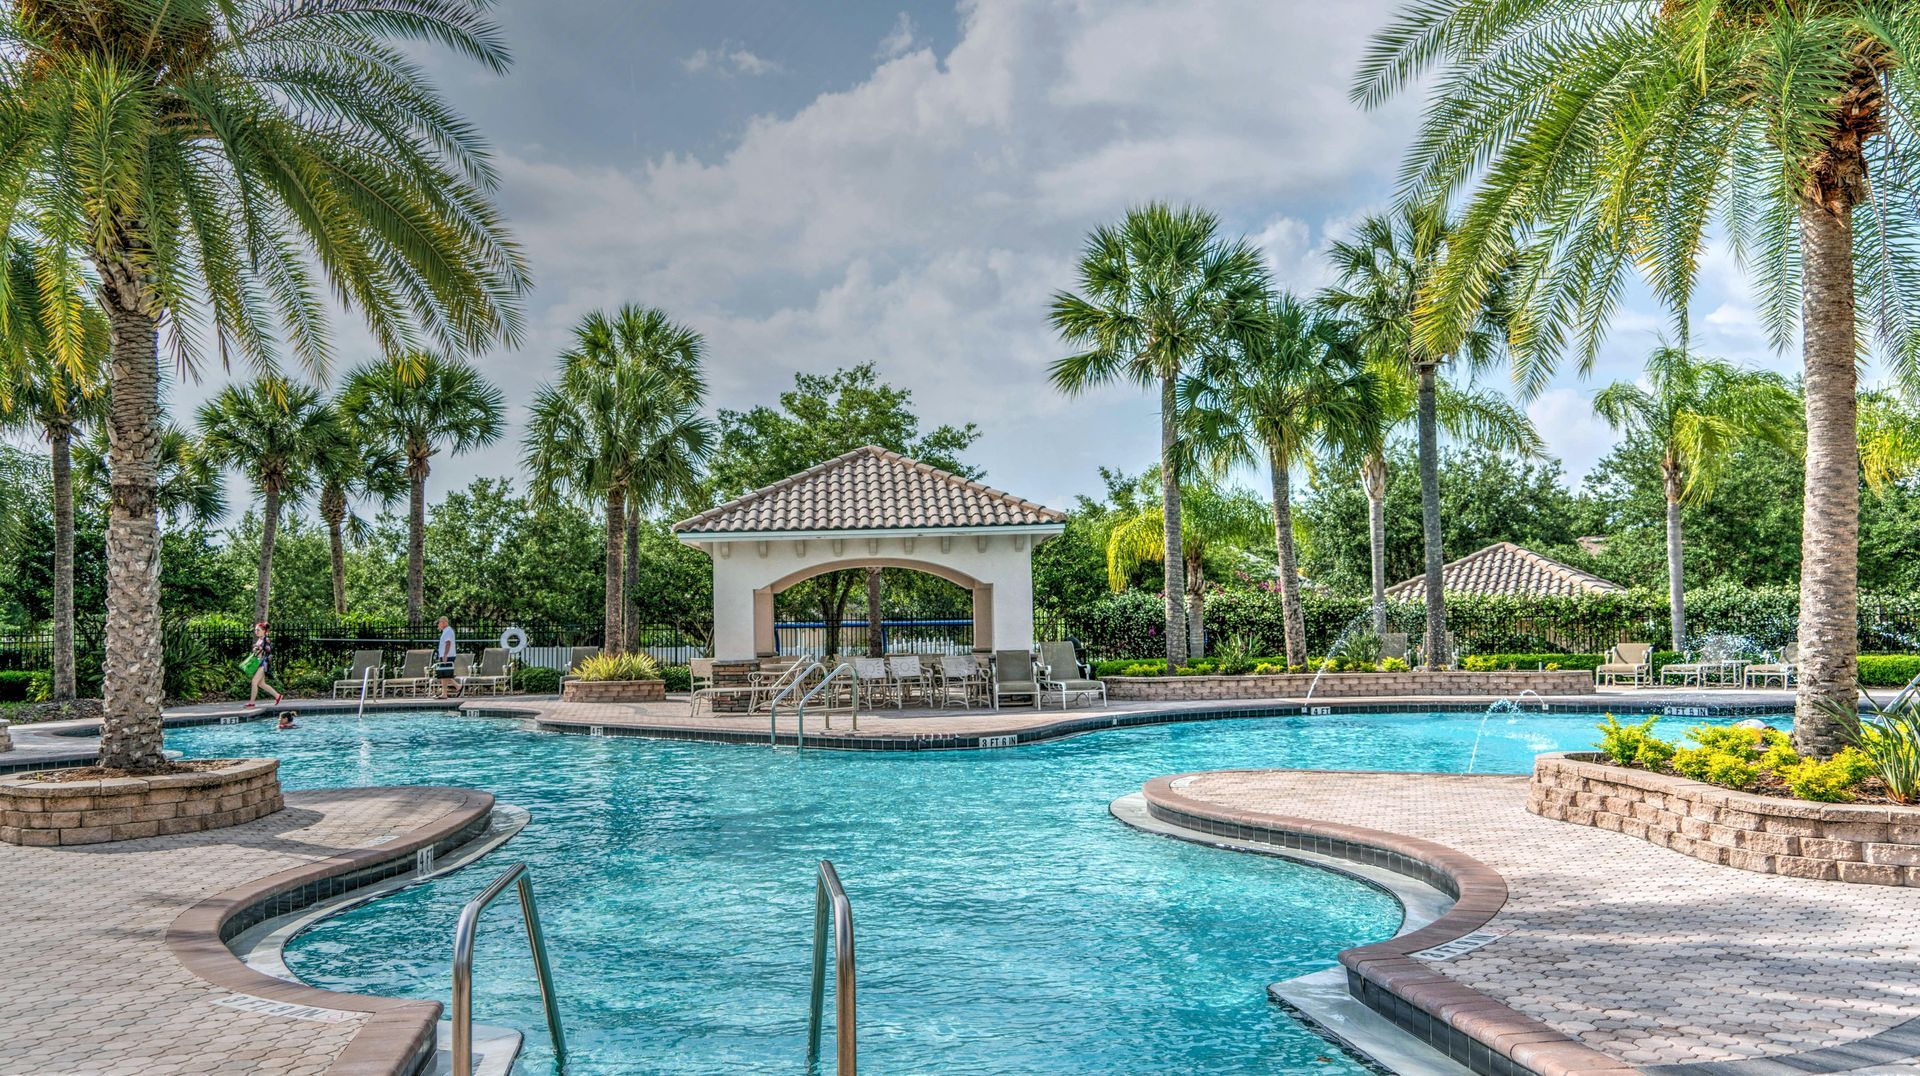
(34, 811)
(1773, 835)
(6, 738)
(613, 691)
(1351, 685)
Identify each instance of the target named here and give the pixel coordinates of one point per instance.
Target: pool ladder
(463, 936)
(829, 896)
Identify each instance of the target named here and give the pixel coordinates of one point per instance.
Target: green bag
(251, 665)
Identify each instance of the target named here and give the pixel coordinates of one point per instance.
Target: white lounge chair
(365, 671)
(1065, 675)
(1014, 676)
(1781, 670)
(494, 674)
(415, 665)
(1628, 660)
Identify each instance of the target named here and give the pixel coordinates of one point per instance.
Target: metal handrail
(366, 676)
(800, 710)
(1905, 693)
(463, 935)
(773, 708)
(828, 890)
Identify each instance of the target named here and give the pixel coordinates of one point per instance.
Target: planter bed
(39, 808)
(613, 691)
(1351, 685)
(1850, 842)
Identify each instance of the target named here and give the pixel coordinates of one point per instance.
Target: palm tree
(1358, 450)
(1697, 411)
(415, 403)
(348, 467)
(187, 486)
(1383, 271)
(1587, 139)
(1889, 438)
(273, 432)
(621, 425)
(1215, 521)
(1294, 387)
(52, 395)
(233, 163)
(1159, 293)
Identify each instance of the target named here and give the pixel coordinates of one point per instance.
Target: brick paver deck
(103, 973)
(1645, 954)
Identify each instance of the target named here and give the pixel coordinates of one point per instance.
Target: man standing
(443, 660)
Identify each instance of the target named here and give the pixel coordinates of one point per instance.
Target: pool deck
(1618, 956)
(115, 964)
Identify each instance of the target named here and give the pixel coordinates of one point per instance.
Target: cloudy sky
(815, 185)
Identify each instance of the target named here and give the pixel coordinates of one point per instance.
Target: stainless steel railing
(773, 709)
(463, 935)
(827, 892)
(800, 710)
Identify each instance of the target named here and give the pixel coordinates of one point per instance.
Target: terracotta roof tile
(1505, 568)
(869, 488)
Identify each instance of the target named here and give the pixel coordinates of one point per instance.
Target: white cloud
(899, 40)
(729, 59)
(1573, 431)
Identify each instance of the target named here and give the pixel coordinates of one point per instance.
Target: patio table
(1728, 672)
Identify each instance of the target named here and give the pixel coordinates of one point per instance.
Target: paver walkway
(91, 985)
(1650, 956)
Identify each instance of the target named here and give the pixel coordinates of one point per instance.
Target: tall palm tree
(187, 485)
(1588, 138)
(349, 467)
(1160, 292)
(1697, 411)
(273, 432)
(416, 403)
(621, 425)
(232, 163)
(1383, 270)
(51, 395)
(1293, 387)
(1358, 450)
(1216, 521)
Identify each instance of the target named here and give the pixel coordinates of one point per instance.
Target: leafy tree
(1585, 138)
(187, 487)
(1160, 294)
(347, 468)
(1697, 410)
(1218, 522)
(230, 162)
(415, 403)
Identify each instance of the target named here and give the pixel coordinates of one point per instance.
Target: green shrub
(1393, 665)
(1730, 771)
(1829, 781)
(1634, 745)
(1142, 668)
(16, 685)
(1888, 670)
(40, 688)
(1888, 738)
(635, 666)
(1496, 662)
(678, 677)
(537, 680)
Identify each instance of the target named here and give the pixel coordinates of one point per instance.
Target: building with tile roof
(1506, 569)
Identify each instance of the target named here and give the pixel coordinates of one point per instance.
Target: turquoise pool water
(1006, 923)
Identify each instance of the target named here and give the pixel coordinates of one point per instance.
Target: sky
(816, 185)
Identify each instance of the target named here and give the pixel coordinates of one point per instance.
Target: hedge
(1888, 670)
(16, 685)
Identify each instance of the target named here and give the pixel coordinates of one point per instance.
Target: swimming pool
(1006, 922)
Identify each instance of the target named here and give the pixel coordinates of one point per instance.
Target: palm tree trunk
(1830, 521)
(1292, 617)
(269, 528)
(1676, 580)
(615, 640)
(1174, 562)
(416, 538)
(630, 573)
(130, 733)
(60, 436)
(1196, 613)
(876, 628)
(1373, 476)
(333, 508)
(1437, 647)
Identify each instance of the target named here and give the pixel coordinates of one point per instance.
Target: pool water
(1006, 923)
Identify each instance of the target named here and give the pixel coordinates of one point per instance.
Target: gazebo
(870, 508)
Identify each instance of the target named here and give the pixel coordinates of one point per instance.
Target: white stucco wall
(1001, 558)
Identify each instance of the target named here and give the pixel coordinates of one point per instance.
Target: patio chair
(1693, 669)
(575, 656)
(907, 675)
(961, 679)
(1064, 674)
(494, 674)
(1625, 659)
(1014, 675)
(873, 681)
(1781, 670)
(1394, 645)
(699, 674)
(365, 662)
(415, 665)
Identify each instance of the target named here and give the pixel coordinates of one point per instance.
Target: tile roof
(1505, 568)
(869, 488)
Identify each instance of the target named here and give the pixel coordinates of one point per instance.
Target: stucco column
(764, 643)
(983, 637)
(1013, 607)
(733, 610)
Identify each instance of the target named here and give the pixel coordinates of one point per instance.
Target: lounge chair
(1695, 667)
(574, 658)
(365, 670)
(1781, 670)
(907, 675)
(1628, 660)
(1014, 675)
(462, 673)
(415, 665)
(494, 674)
(1064, 674)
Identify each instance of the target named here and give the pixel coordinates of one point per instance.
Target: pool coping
(398, 1039)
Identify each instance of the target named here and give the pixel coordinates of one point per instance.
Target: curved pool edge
(1466, 1025)
(398, 1039)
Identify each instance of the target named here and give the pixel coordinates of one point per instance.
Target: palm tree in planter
(416, 404)
(1383, 271)
(1697, 411)
(1583, 140)
(1159, 293)
(347, 468)
(229, 164)
(273, 432)
(51, 386)
(1216, 522)
(1294, 386)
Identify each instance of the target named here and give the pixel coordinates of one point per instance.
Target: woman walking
(262, 659)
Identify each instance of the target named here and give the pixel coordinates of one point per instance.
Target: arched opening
(922, 608)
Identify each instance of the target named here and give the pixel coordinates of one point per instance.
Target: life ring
(513, 640)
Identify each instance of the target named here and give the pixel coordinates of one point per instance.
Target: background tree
(417, 403)
(1160, 293)
(1218, 522)
(1585, 139)
(348, 467)
(1696, 410)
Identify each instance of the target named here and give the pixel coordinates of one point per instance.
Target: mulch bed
(104, 773)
